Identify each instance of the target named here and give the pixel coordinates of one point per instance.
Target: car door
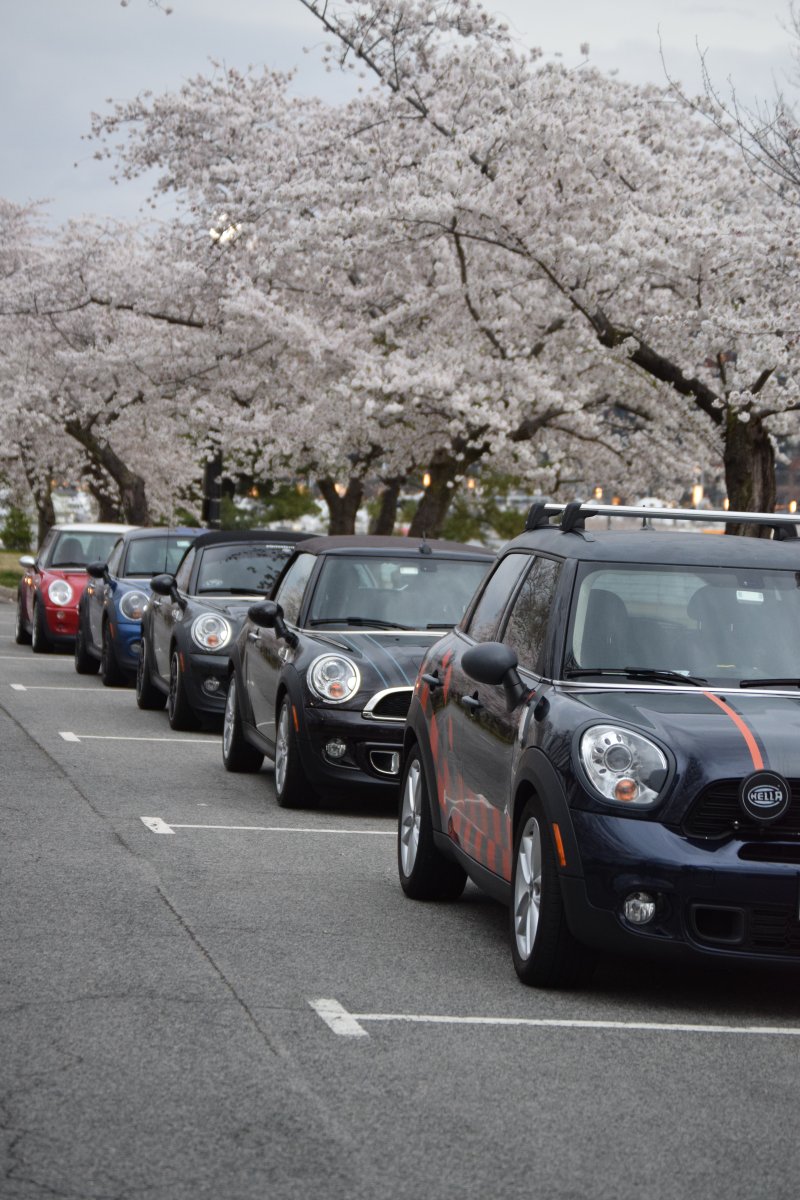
(32, 579)
(164, 616)
(265, 652)
(101, 597)
(459, 769)
(487, 741)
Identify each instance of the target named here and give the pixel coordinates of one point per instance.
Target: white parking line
(51, 662)
(158, 826)
(78, 687)
(347, 1024)
(113, 737)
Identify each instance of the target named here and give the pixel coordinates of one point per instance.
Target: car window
(494, 598)
(718, 623)
(184, 572)
(77, 548)
(423, 591)
(293, 585)
(241, 568)
(155, 555)
(526, 628)
(114, 558)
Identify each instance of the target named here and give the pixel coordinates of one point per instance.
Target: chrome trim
(721, 689)
(368, 713)
(392, 755)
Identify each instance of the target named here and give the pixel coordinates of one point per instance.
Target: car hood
(234, 607)
(711, 734)
(386, 659)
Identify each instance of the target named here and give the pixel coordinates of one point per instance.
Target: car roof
(378, 545)
(217, 537)
(89, 527)
(662, 546)
(138, 535)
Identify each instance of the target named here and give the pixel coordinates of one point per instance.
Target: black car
(191, 621)
(609, 744)
(322, 674)
(111, 607)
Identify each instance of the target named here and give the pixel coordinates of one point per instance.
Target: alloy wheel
(230, 718)
(410, 818)
(282, 748)
(528, 888)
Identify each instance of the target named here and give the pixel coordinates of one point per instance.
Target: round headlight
(211, 631)
(623, 766)
(334, 678)
(132, 605)
(60, 592)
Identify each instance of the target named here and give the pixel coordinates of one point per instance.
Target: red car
(49, 591)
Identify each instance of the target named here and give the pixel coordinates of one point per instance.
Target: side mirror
(495, 664)
(163, 585)
(28, 562)
(97, 570)
(266, 614)
(269, 615)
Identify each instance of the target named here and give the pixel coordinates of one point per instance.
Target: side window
(113, 559)
(185, 571)
(293, 585)
(527, 623)
(494, 597)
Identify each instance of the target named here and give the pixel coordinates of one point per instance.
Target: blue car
(111, 608)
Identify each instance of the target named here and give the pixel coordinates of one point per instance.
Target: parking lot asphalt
(203, 995)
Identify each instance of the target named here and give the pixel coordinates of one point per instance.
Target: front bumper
(712, 900)
(372, 757)
(126, 638)
(62, 624)
(206, 680)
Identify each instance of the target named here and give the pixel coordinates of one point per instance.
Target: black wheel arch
(536, 776)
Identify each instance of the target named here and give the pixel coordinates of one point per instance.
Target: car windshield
(76, 548)
(245, 569)
(154, 555)
(393, 592)
(713, 624)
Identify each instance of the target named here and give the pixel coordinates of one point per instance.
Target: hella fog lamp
(639, 908)
(335, 749)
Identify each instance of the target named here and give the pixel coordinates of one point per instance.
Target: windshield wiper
(372, 622)
(636, 673)
(226, 591)
(746, 683)
(441, 625)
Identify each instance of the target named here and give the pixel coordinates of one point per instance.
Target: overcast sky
(62, 59)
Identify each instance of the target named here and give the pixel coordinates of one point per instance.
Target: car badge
(764, 796)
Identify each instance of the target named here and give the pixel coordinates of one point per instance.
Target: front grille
(390, 705)
(716, 813)
(774, 929)
(768, 929)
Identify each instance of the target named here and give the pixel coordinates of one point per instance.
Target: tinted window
(527, 623)
(244, 569)
(76, 549)
(184, 572)
(155, 555)
(419, 592)
(293, 585)
(486, 617)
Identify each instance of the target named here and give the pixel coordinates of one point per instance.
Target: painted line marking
(279, 828)
(347, 1024)
(50, 687)
(156, 825)
(113, 737)
(64, 662)
(338, 1018)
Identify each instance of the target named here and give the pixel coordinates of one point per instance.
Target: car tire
(237, 753)
(544, 951)
(292, 789)
(21, 635)
(180, 713)
(425, 873)
(110, 671)
(85, 663)
(40, 641)
(148, 696)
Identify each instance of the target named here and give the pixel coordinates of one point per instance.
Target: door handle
(254, 637)
(433, 681)
(471, 703)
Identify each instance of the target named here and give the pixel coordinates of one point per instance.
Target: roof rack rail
(575, 514)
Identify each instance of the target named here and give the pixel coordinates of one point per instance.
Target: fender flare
(536, 772)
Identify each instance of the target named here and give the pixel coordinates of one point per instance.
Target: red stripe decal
(752, 745)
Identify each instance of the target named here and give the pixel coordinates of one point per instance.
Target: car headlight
(211, 631)
(60, 592)
(625, 767)
(132, 605)
(334, 678)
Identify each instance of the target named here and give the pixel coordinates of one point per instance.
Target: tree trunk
(342, 509)
(432, 508)
(45, 512)
(749, 471)
(386, 516)
(132, 492)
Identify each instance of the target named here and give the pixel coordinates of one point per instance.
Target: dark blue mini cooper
(609, 743)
